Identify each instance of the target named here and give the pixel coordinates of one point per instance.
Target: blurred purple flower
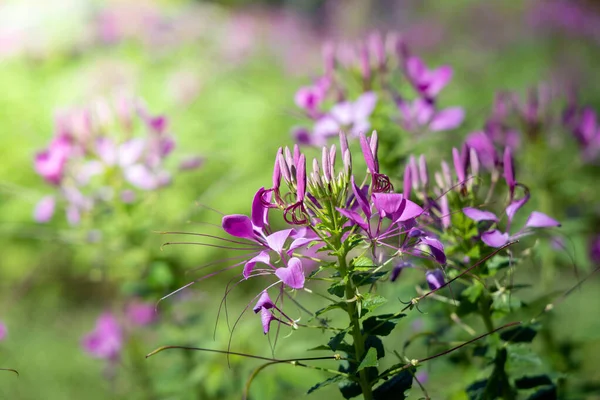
(140, 313)
(44, 209)
(106, 340)
(3, 331)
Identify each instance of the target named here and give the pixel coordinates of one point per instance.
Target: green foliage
(381, 325)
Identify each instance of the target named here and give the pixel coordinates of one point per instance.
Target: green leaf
(336, 341)
(381, 325)
(476, 390)
(377, 344)
(319, 348)
(530, 382)
(337, 289)
(519, 334)
(363, 261)
(349, 389)
(370, 302)
(366, 278)
(327, 382)
(546, 393)
(341, 305)
(395, 388)
(370, 360)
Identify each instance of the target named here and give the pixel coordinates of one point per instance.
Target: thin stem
(357, 336)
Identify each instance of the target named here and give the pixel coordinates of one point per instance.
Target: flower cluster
(101, 154)
(107, 339)
(328, 210)
(386, 73)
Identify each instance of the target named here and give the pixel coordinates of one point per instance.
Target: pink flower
(106, 340)
(3, 331)
(140, 313)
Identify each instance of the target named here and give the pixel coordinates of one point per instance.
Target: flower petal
(293, 274)
(479, 215)
(239, 226)
(364, 106)
(541, 220)
(264, 301)
(266, 317)
(276, 240)
(436, 247)
(494, 238)
(44, 209)
(262, 257)
(435, 279)
(259, 211)
(354, 217)
(449, 118)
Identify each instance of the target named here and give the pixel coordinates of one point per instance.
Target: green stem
(357, 336)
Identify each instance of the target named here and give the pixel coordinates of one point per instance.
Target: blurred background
(222, 76)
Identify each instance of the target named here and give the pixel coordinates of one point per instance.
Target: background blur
(224, 74)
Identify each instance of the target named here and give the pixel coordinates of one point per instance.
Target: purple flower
(106, 340)
(421, 114)
(140, 313)
(497, 238)
(347, 116)
(50, 163)
(435, 279)
(3, 331)
(428, 82)
(44, 209)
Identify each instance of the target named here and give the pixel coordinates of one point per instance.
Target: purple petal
(415, 68)
(438, 79)
(191, 163)
(541, 220)
(293, 274)
(239, 226)
(131, 151)
(141, 177)
(398, 269)
(3, 331)
(107, 151)
(479, 215)
(369, 157)
(106, 340)
(259, 211)
(44, 209)
(354, 217)
(388, 203)
(495, 238)
(407, 181)
(299, 242)
(301, 178)
(411, 210)
(435, 279)
(509, 173)
(141, 313)
(264, 301)
(326, 126)
(276, 240)
(515, 205)
(266, 317)
(484, 147)
(422, 111)
(343, 113)
(262, 257)
(361, 199)
(458, 165)
(436, 247)
(364, 106)
(449, 118)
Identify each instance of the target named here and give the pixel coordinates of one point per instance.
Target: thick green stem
(357, 336)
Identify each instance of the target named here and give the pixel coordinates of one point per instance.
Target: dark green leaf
(381, 325)
(349, 389)
(366, 278)
(337, 289)
(546, 393)
(327, 382)
(334, 342)
(530, 382)
(476, 390)
(519, 334)
(321, 347)
(395, 388)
